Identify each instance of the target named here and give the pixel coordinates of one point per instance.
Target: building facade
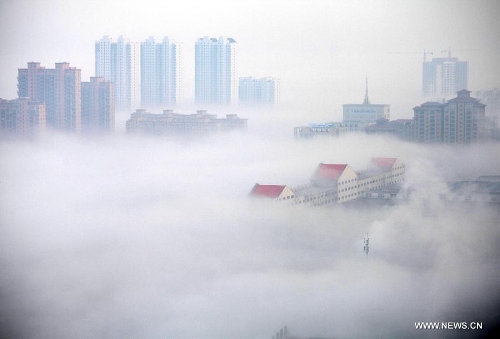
(119, 62)
(460, 120)
(22, 118)
(428, 122)
(400, 128)
(365, 112)
(58, 88)
(262, 91)
(160, 78)
(98, 106)
(443, 77)
(215, 71)
(175, 124)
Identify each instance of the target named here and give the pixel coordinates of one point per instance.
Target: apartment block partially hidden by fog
(23, 118)
(174, 124)
(459, 121)
(337, 184)
(58, 88)
(98, 106)
(443, 77)
(258, 91)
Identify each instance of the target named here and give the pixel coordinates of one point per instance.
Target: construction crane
(425, 53)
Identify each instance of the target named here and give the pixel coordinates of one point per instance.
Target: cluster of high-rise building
(128, 75)
(57, 99)
(147, 75)
(460, 120)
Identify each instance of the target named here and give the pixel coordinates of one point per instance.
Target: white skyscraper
(119, 63)
(159, 73)
(215, 72)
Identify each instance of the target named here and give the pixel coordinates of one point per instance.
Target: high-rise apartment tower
(58, 88)
(160, 78)
(215, 71)
(98, 106)
(443, 77)
(119, 62)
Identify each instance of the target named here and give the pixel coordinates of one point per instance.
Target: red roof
(270, 191)
(329, 171)
(384, 162)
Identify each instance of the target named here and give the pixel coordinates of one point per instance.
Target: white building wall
(347, 185)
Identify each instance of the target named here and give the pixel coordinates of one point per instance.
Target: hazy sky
(321, 50)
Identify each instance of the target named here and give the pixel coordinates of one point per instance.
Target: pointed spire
(367, 100)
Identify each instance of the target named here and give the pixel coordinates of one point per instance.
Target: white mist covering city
(123, 237)
(128, 233)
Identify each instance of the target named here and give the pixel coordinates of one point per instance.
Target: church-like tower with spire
(366, 112)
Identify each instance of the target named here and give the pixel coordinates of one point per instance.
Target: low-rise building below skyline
(22, 118)
(174, 124)
(258, 91)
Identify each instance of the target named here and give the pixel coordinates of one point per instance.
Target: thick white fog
(136, 237)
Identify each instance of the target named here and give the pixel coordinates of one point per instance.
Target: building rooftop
(383, 163)
(269, 191)
(329, 171)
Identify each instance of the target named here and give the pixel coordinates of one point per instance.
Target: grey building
(460, 120)
(98, 106)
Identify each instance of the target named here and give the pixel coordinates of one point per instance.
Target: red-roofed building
(336, 183)
(381, 172)
(384, 163)
(341, 176)
(277, 192)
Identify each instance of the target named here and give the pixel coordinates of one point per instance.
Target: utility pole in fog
(366, 242)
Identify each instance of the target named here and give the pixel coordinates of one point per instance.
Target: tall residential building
(215, 71)
(263, 91)
(365, 112)
(463, 119)
(160, 78)
(459, 121)
(428, 122)
(98, 106)
(59, 89)
(443, 77)
(22, 118)
(119, 62)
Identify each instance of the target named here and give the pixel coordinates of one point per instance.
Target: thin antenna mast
(366, 242)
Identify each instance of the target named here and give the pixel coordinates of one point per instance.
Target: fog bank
(136, 237)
